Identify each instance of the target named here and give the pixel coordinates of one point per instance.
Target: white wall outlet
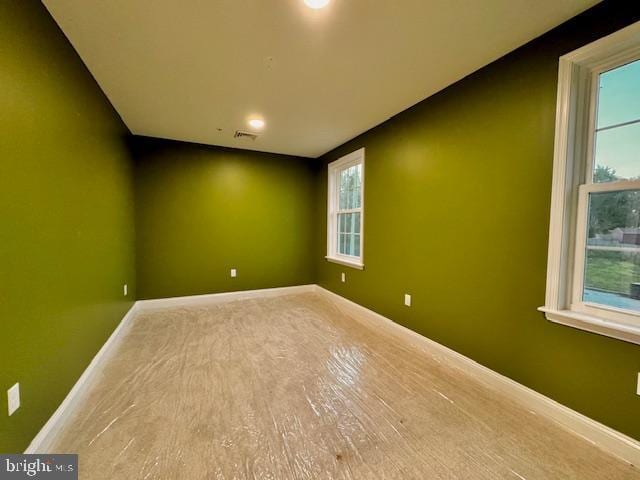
(125, 289)
(638, 385)
(234, 273)
(407, 299)
(343, 277)
(13, 398)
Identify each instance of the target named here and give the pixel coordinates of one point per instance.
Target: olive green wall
(201, 211)
(457, 205)
(457, 210)
(66, 232)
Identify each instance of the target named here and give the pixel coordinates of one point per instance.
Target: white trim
(608, 439)
(44, 439)
(575, 115)
(606, 52)
(142, 305)
(594, 324)
(347, 263)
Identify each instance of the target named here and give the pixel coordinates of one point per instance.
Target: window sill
(590, 323)
(347, 263)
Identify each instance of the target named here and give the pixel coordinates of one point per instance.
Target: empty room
(320, 239)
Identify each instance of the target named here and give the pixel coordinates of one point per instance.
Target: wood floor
(293, 388)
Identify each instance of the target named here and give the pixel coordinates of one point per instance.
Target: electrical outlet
(344, 277)
(125, 289)
(638, 385)
(13, 398)
(234, 273)
(407, 299)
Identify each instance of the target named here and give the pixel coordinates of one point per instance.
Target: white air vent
(241, 134)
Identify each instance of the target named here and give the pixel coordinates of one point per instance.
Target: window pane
(619, 95)
(350, 187)
(349, 222)
(617, 154)
(349, 234)
(612, 260)
(342, 200)
(356, 181)
(344, 189)
(345, 242)
(617, 139)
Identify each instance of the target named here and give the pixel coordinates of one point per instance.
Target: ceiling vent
(241, 134)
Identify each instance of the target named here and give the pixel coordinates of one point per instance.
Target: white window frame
(333, 183)
(573, 153)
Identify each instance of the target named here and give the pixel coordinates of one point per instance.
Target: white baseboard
(608, 439)
(43, 440)
(222, 297)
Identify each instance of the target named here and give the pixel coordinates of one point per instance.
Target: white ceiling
(184, 69)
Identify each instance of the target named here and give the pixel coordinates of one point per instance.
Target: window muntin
(345, 209)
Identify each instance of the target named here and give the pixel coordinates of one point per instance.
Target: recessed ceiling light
(256, 123)
(316, 4)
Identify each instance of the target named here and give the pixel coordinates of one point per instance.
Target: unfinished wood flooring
(293, 388)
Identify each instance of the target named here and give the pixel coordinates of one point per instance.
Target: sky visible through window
(618, 121)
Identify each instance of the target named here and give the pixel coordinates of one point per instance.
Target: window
(345, 210)
(593, 278)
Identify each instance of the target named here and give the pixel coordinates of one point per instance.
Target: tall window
(345, 210)
(594, 249)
